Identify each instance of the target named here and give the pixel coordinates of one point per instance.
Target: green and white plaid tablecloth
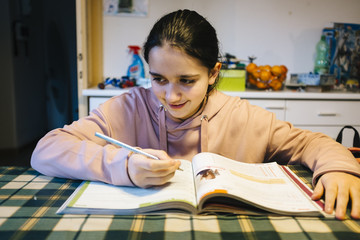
(29, 201)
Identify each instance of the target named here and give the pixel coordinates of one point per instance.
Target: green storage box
(232, 80)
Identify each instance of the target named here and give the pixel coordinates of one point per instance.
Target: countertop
(258, 94)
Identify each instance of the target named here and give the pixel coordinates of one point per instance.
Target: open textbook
(209, 184)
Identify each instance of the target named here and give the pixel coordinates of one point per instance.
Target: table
(29, 200)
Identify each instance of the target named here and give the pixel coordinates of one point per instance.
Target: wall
(276, 31)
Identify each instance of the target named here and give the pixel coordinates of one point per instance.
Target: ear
(214, 73)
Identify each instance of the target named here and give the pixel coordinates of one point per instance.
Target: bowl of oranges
(266, 76)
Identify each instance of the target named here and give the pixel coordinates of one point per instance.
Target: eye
(159, 80)
(187, 81)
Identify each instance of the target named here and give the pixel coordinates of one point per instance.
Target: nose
(173, 93)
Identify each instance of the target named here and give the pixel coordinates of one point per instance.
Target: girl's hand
(339, 187)
(146, 172)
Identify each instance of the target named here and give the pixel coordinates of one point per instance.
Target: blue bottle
(136, 68)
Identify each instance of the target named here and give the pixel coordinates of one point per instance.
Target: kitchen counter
(258, 94)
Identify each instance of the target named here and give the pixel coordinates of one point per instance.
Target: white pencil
(124, 145)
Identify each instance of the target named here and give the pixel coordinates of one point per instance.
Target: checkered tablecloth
(29, 201)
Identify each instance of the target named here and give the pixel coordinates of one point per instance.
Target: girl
(183, 114)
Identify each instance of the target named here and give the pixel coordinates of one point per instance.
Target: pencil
(124, 145)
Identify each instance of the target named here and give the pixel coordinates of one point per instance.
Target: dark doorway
(38, 73)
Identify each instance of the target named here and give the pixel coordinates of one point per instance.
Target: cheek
(198, 92)
(156, 90)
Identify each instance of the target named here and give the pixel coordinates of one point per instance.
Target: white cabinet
(97, 96)
(94, 102)
(276, 106)
(323, 113)
(318, 112)
(325, 116)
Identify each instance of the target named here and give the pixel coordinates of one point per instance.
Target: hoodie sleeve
(315, 150)
(74, 152)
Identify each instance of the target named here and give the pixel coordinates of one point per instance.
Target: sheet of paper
(106, 196)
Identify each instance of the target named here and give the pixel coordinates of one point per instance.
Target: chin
(177, 116)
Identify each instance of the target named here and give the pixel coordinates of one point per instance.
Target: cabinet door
(275, 106)
(94, 102)
(322, 113)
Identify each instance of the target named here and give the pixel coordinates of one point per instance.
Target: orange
(275, 84)
(250, 67)
(252, 80)
(284, 69)
(256, 73)
(282, 77)
(273, 81)
(267, 68)
(261, 85)
(265, 75)
(276, 70)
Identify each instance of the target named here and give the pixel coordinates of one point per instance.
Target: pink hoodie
(226, 125)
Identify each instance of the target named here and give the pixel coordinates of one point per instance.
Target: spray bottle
(136, 68)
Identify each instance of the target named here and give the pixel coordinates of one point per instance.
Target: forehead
(172, 60)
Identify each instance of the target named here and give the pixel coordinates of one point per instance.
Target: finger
(158, 153)
(330, 197)
(341, 202)
(318, 191)
(355, 202)
(159, 177)
(158, 165)
(174, 166)
(163, 172)
(158, 181)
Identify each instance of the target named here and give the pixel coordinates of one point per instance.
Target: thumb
(318, 191)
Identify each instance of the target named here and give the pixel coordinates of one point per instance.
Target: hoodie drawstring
(162, 129)
(204, 133)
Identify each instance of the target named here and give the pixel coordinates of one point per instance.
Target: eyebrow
(181, 76)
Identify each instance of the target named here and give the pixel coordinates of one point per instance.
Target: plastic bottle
(136, 68)
(322, 59)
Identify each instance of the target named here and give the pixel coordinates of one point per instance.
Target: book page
(261, 184)
(106, 196)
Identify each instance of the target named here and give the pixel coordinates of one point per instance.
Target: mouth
(177, 106)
